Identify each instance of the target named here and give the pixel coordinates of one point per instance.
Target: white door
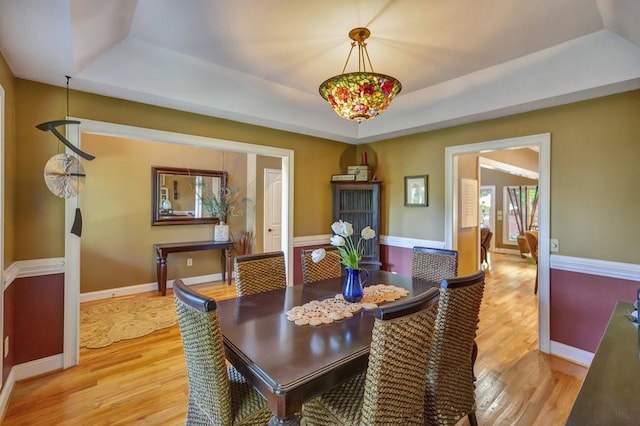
(272, 230)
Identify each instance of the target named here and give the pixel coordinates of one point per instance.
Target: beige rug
(105, 323)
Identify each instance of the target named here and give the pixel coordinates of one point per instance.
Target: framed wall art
(416, 193)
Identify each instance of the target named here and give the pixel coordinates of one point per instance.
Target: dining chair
(532, 240)
(485, 245)
(450, 389)
(327, 268)
(391, 391)
(434, 264)
(218, 395)
(257, 273)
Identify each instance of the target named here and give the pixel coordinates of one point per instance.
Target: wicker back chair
(217, 395)
(485, 245)
(434, 264)
(257, 273)
(392, 390)
(450, 391)
(327, 268)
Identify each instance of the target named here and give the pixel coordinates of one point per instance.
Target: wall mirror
(174, 195)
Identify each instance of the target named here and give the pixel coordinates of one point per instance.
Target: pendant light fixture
(360, 95)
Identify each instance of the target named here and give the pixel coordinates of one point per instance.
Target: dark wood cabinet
(359, 204)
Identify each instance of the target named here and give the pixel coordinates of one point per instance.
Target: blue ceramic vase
(352, 289)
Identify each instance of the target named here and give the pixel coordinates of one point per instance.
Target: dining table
(288, 363)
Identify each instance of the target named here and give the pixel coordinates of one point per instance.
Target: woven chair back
(394, 383)
(327, 268)
(209, 393)
(434, 264)
(532, 241)
(257, 273)
(450, 391)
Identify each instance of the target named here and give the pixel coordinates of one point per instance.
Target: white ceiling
(261, 62)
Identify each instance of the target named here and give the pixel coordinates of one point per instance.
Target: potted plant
(219, 205)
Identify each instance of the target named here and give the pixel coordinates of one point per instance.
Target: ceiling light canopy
(360, 95)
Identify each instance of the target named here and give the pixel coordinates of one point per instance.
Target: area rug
(105, 323)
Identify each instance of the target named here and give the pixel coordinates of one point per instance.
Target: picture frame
(416, 191)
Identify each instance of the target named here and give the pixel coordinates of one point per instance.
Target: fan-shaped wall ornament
(64, 175)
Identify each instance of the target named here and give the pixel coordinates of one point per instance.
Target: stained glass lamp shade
(360, 95)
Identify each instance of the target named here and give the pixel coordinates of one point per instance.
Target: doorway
(542, 143)
(71, 349)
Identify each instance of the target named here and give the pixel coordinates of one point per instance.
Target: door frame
(71, 348)
(543, 143)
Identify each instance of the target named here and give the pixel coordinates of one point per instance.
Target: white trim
(410, 243)
(543, 142)
(143, 288)
(5, 394)
(32, 268)
(604, 268)
(10, 274)
(25, 371)
(38, 267)
(311, 240)
(37, 367)
(72, 243)
(579, 356)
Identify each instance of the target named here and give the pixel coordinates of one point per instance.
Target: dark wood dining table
(290, 364)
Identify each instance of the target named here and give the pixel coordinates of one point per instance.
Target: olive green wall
(594, 171)
(117, 236)
(8, 85)
(41, 220)
(594, 174)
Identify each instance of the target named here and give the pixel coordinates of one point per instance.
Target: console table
(609, 393)
(162, 250)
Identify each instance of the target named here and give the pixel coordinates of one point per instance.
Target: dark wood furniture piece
(163, 250)
(609, 394)
(359, 204)
(289, 364)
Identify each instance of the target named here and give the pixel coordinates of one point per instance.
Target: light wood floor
(143, 381)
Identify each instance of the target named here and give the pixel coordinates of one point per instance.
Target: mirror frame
(156, 171)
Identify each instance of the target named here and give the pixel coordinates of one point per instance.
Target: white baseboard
(24, 371)
(142, 288)
(5, 394)
(579, 356)
(503, 250)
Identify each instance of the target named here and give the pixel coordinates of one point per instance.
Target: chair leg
(472, 419)
(535, 289)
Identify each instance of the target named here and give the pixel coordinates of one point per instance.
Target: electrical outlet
(6, 346)
(189, 262)
(554, 245)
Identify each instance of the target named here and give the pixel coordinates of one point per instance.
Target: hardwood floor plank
(143, 381)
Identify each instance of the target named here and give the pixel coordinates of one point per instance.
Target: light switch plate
(554, 246)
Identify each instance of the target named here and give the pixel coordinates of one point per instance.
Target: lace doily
(336, 308)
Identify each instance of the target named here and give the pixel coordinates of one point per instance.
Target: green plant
(220, 205)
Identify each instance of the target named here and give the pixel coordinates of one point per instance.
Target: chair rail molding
(604, 268)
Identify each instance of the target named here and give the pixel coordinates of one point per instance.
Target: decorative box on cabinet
(359, 204)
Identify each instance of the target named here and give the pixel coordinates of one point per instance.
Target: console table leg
(161, 274)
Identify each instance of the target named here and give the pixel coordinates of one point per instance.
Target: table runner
(336, 308)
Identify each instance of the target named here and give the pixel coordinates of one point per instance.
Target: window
(521, 207)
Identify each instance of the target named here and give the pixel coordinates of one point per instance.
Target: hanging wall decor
(64, 174)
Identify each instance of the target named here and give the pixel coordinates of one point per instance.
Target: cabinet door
(359, 204)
